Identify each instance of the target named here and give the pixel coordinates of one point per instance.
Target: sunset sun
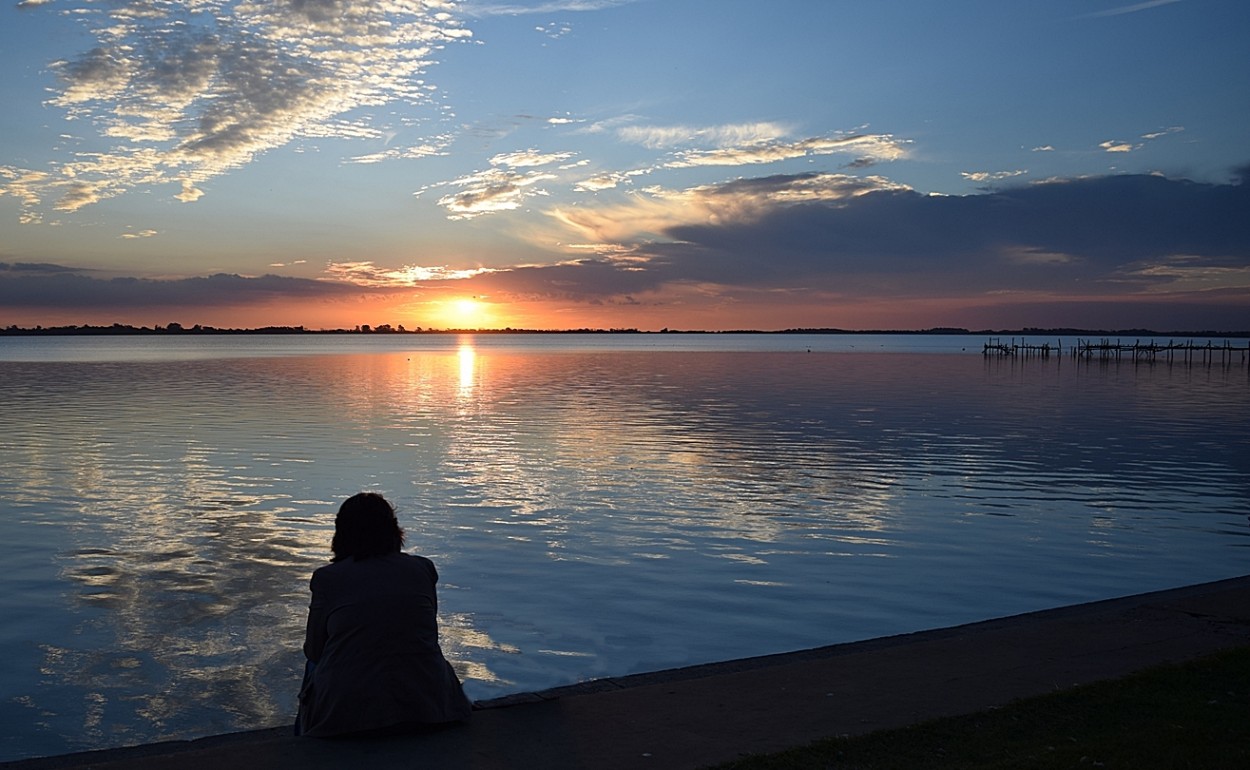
(465, 313)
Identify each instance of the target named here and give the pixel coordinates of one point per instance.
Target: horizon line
(387, 329)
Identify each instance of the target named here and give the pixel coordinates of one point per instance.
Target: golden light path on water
(592, 510)
(468, 367)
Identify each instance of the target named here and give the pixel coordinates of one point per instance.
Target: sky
(649, 164)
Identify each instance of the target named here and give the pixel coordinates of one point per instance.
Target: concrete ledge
(699, 715)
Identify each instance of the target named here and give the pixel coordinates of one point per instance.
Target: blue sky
(626, 163)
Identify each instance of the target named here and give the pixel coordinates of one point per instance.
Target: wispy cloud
(549, 6)
(401, 153)
(1125, 9)
(656, 210)
(874, 147)
(515, 177)
(529, 158)
(663, 137)
(608, 180)
(991, 176)
(1115, 145)
(181, 92)
(1163, 132)
(367, 273)
(555, 31)
(27, 186)
(502, 187)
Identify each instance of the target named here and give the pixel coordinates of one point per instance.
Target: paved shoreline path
(702, 715)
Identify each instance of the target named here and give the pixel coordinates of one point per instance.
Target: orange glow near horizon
(462, 313)
(469, 312)
(681, 309)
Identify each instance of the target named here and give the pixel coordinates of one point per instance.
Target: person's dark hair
(366, 526)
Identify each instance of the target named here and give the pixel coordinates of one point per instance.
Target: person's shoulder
(417, 563)
(328, 573)
(415, 560)
(334, 567)
(321, 577)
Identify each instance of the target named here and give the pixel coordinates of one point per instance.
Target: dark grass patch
(1192, 715)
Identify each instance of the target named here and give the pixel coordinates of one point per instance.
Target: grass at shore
(1192, 715)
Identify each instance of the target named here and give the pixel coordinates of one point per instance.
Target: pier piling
(1207, 353)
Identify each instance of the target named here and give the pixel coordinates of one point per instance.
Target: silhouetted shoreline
(387, 329)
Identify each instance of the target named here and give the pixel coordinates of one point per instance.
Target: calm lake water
(597, 505)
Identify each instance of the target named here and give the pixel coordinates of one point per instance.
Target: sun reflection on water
(467, 357)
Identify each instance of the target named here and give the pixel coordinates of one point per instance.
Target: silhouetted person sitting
(372, 640)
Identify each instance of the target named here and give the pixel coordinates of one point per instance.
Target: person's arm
(315, 633)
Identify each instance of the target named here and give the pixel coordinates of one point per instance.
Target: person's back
(372, 642)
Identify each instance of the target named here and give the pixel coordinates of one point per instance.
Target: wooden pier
(1188, 352)
(1021, 349)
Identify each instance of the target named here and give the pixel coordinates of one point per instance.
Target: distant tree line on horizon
(177, 328)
